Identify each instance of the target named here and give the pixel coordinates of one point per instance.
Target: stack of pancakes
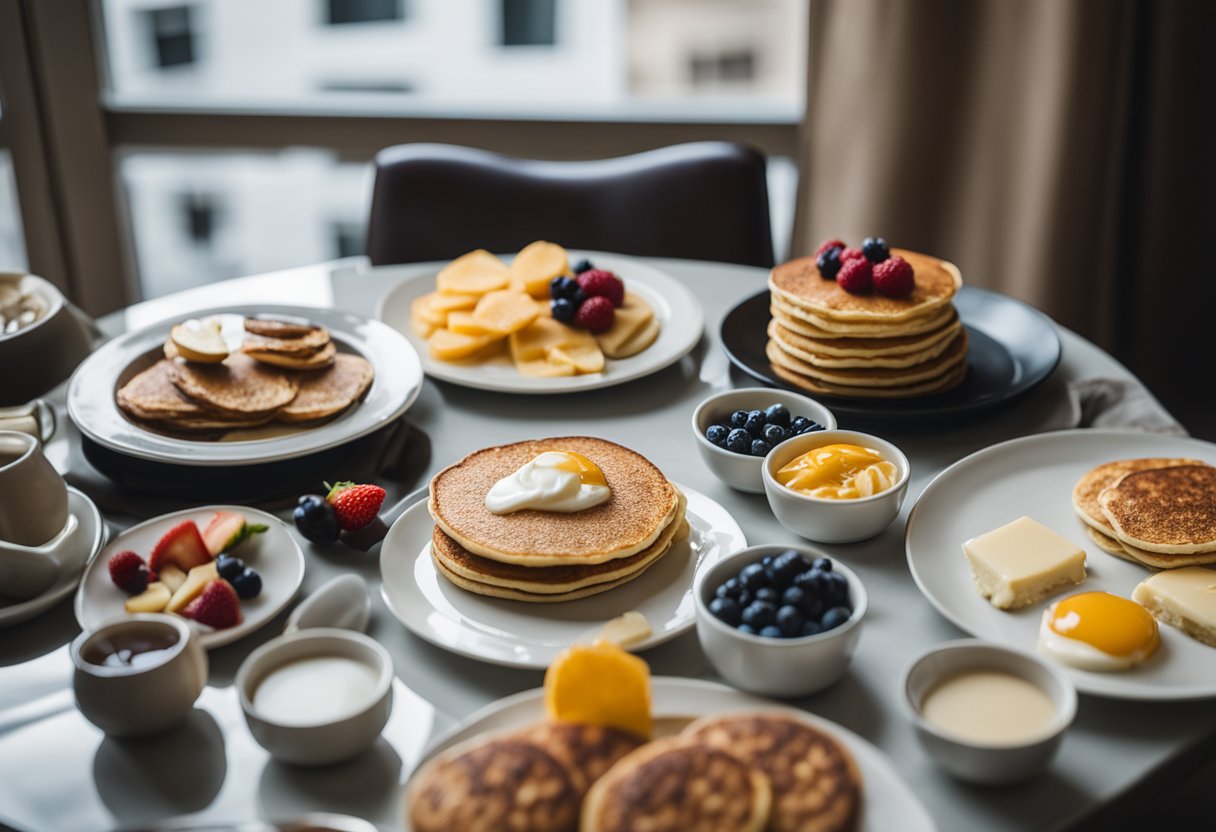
(246, 389)
(543, 556)
(831, 342)
(745, 772)
(1157, 512)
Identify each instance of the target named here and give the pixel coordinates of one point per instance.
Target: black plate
(1013, 348)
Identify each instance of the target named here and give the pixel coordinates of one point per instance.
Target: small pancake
(1096, 480)
(940, 385)
(586, 750)
(864, 353)
(863, 381)
(672, 785)
(150, 394)
(816, 784)
(813, 326)
(869, 345)
(642, 504)
(548, 580)
(238, 386)
(327, 392)
(322, 358)
(1157, 560)
(798, 282)
(1109, 544)
(271, 328)
(1164, 510)
(508, 594)
(300, 347)
(500, 784)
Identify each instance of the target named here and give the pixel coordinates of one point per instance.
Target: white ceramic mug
(138, 697)
(33, 497)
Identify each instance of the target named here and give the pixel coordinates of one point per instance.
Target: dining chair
(702, 201)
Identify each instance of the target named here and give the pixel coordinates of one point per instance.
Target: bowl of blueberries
(779, 620)
(735, 430)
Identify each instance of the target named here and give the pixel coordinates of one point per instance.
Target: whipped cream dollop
(561, 481)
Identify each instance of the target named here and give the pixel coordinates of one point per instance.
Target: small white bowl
(775, 666)
(321, 742)
(978, 762)
(834, 521)
(740, 471)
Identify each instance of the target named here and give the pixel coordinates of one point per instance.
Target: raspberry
(851, 254)
(827, 244)
(129, 572)
(595, 315)
(894, 277)
(601, 283)
(855, 276)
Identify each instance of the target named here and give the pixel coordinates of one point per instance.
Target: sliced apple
(192, 586)
(535, 265)
(181, 546)
(585, 358)
(171, 576)
(445, 345)
(474, 273)
(153, 599)
(463, 323)
(199, 341)
(540, 368)
(505, 311)
(225, 528)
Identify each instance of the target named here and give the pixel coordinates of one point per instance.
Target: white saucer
(82, 548)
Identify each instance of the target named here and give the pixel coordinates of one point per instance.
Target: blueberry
(247, 584)
(811, 581)
(775, 434)
(743, 628)
(875, 249)
(786, 567)
(562, 287)
(755, 423)
(794, 597)
(745, 598)
(316, 519)
(777, 414)
(789, 619)
(563, 309)
(717, 434)
(577, 297)
(726, 610)
(760, 447)
(810, 628)
(738, 419)
(729, 589)
(229, 567)
(739, 441)
(771, 632)
(582, 266)
(766, 560)
(813, 607)
(829, 263)
(822, 564)
(811, 427)
(759, 614)
(834, 617)
(767, 594)
(798, 424)
(752, 577)
(836, 589)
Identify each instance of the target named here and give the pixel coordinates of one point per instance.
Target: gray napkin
(1115, 403)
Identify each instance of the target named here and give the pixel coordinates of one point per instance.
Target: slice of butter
(1023, 562)
(1182, 598)
(623, 631)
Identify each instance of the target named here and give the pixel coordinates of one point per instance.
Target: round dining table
(58, 772)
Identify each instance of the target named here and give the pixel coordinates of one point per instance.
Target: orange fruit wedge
(600, 684)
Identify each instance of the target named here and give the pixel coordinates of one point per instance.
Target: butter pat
(1023, 562)
(1183, 598)
(625, 630)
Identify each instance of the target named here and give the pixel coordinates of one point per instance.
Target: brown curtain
(1056, 150)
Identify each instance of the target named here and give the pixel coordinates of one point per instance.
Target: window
(727, 67)
(12, 241)
(172, 32)
(364, 11)
(347, 237)
(529, 22)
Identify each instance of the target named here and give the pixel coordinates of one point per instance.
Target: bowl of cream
(316, 696)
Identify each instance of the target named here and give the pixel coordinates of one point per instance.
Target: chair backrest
(703, 201)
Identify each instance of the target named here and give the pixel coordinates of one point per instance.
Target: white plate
(91, 405)
(676, 307)
(90, 536)
(1035, 476)
(888, 802)
(520, 634)
(274, 554)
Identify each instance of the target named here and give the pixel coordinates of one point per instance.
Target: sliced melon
(474, 273)
(535, 265)
(505, 311)
(445, 345)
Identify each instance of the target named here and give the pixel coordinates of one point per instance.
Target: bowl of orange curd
(836, 486)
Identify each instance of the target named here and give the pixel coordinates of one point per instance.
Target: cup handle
(46, 419)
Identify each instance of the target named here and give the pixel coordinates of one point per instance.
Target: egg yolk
(588, 472)
(1114, 625)
(839, 472)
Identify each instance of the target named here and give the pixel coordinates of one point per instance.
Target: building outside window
(529, 22)
(172, 33)
(340, 12)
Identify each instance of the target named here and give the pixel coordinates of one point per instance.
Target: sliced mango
(505, 311)
(534, 341)
(630, 317)
(600, 684)
(585, 358)
(535, 265)
(463, 323)
(543, 368)
(153, 599)
(474, 273)
(445, 345)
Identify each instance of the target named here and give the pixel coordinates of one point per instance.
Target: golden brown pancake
(870, 379)
(271, 328)
(1108, 544)
(672, 785)
(238, 386)
(327, 392)
(298, 347)
(888, 353)
(1164, 510)
(939, 385)
(501, 784)
(816, 784)
(588, 751)
(150, 394)
(798, 282)
(814, 326)
(642, 504)
(1096, 480)
(509, 594)
(318, 360)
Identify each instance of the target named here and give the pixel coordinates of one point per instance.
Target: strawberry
(827, 244)
(851, 254)
(355, 505)
(129, 572)
(855, 276)
(216, 606)
(595, 315)
(602, 283)
(181, 546)
(894, 277)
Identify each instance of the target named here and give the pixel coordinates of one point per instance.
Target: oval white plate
(520, 634)
(676, 307)
(888, 802)
(1035, 476)
(397, 382)
(274, 554)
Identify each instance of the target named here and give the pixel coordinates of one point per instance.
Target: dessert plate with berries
(567, 321)
(227, 569)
